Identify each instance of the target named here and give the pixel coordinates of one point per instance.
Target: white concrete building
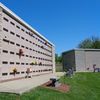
(22, 47)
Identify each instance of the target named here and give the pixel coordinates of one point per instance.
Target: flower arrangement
(14, 71)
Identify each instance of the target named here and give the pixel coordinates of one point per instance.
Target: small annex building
(81, 60)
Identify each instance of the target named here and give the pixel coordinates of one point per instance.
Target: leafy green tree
(91, 43)
(58, 59)
(96, 42)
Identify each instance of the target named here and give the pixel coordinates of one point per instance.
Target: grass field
(83, 86)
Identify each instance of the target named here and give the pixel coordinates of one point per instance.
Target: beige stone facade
(22, 47)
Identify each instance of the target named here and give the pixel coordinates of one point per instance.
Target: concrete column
(0, 39)
(53, 58)
(80, 60)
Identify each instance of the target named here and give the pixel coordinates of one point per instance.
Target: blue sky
(63, 22)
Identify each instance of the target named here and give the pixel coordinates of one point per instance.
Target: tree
(96, 43)
(58, 59)
(91, 43)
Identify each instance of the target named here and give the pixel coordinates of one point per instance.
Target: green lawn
(83, 86)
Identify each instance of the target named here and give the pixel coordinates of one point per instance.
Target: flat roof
(87, 49)
(22, 21)
(81, 50)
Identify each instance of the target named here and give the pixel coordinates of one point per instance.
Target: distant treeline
(58, 58)
(88, 43)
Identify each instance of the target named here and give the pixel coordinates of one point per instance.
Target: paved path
(23, 85)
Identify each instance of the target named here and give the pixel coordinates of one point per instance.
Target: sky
(64, 22)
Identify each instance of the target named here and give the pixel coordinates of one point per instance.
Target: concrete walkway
(24, 85)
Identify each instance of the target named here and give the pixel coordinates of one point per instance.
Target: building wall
(80, 61)
(16, 36)
(85, 59)
(69, 60)
(92, 58)
(0, 37)
(53, 57)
